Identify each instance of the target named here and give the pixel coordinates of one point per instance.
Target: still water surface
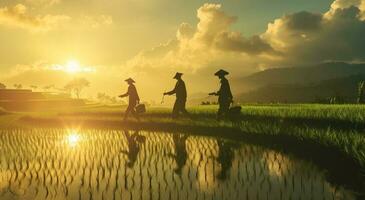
(98, 164)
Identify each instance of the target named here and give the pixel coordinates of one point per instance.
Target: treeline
(74, 87)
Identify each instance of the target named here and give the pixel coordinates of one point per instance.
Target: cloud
(43, 2)
(212, 21)
(345, 4)
(18, 16)
(306, 37)
(294, 39)
(341, 4)
(206, 45)
(96, 21)
(234, 41)
(185, 32)
(292, 29)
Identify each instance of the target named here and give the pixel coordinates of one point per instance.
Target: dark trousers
(223, 109)
(131, 109)
(179, 107)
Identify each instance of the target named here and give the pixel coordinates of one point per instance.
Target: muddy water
(97, 164)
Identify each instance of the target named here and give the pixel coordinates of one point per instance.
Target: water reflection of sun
(73, 138)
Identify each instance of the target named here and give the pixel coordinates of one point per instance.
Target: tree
(18, 86)
(76, 86)
(104, 98)
(2, 86)
(48, 87)
(33, 87)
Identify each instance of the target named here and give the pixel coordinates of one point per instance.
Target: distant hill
(300, 84)
(344, 88)
(27, 100)
(302, 75)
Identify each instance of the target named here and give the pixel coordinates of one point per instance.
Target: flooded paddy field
(99, 164)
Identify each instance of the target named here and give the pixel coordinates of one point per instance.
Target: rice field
(56, 163)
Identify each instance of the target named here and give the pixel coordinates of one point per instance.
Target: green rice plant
(336, 131)
(58, 163)
(361, 90)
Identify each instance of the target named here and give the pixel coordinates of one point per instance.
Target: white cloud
(207, 45)
(18, 16)
(294, 39)
(43, 2)
(306, 37)
(345, 4)
(96, 21)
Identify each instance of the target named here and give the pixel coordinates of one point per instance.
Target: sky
(50, 42)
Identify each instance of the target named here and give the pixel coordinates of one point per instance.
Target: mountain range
(300, 84)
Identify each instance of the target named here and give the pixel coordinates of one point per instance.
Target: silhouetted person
(224, 94)
(180, 91)
(225, 157)
(133, 99)
(135, 142)
(181, 154)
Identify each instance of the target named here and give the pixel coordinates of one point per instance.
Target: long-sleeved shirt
(179, 90)
(132, 94)
(224, 93)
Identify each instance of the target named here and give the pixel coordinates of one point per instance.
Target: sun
(73, 67)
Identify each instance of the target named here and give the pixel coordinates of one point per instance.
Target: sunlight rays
(73, 67)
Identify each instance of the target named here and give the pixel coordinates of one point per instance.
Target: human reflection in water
(181, 153)
(225, 157)
(135, 142)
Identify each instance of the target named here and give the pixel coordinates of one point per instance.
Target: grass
(332, 136)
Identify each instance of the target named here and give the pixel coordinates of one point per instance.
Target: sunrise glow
(182, 99)
(73, 67)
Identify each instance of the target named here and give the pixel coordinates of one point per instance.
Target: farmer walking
(180, 91)
(224, 94)
(133, 99)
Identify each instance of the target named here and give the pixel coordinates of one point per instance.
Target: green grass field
(332, 136)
